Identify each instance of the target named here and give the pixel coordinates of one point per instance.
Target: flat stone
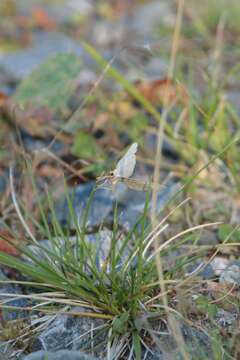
(131, 204)
(100, 208)
(69, 333)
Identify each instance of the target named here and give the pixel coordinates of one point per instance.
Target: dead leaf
(42, 19)
(157, 90)
(3, 98)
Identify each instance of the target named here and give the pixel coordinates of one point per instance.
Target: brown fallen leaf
(3, 98)
(157, 90)
(42, 19)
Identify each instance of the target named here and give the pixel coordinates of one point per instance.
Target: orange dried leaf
(3, 98)
(163, 90)
(42, 19)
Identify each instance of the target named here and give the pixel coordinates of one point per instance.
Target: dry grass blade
(160, 135)
(17, 208)
(165, 244)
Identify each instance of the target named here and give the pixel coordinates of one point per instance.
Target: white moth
(124, 170)
(126, 165)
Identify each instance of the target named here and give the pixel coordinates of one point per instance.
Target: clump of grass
(123, 290)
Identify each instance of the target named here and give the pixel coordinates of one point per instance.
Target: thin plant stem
(17, 208)
(156, 176)
(160, 136)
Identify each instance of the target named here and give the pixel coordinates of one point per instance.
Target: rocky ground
(62, 116)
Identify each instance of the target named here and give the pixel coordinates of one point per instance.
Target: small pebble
(231, 274)
(219, 264)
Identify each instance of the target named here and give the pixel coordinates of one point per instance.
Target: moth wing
(136, 184)
(126, 165)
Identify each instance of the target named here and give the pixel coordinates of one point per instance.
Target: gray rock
(63, 330)
(219, 264)
(131, 204)
(151, 14)
(18, 303)
(197, 345)
(32, 144)
(70, 333)
(226, 318)
(7, 352)
(100, 208)
(100, 243)
(207, 273)
(44, 45)
(208, 237)
(59, 355)
(154, 354)
(231, 274)
(201, 269)
(197, 342)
